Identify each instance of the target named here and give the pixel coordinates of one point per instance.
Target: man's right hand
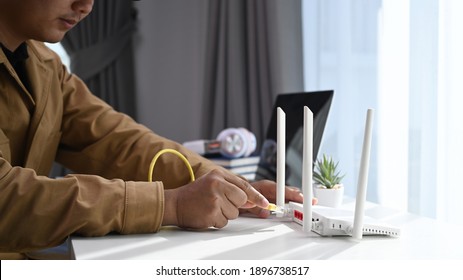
(210, 201)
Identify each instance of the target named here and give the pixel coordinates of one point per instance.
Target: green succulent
(326, 173)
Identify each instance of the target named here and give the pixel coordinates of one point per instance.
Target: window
(395, 57)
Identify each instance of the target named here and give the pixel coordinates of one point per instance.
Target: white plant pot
(329, 197)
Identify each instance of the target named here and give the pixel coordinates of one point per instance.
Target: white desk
(275, 238)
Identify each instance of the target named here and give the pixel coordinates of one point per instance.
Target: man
(47, 114)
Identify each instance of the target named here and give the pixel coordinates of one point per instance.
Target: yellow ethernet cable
(274, 208)
(172, 151)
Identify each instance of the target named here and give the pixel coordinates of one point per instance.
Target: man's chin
(52, 39)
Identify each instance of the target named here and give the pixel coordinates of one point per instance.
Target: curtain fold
(101, 52)
(244, 69)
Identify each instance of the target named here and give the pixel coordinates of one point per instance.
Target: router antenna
(281, 159)
(307, 171)
(363, 178)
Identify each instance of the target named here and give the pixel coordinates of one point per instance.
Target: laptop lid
(293, 104)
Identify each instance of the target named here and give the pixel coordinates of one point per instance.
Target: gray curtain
(101, 52)
(249, 61)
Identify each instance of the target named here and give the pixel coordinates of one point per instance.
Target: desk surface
(276, 238)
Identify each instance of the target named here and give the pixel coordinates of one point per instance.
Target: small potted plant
(328, 187)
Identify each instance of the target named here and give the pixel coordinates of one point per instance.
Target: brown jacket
(61, 120)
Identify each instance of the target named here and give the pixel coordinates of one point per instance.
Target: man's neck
(8, 39)
(11, 47)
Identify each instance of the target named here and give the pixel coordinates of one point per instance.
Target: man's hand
(268, 189)
(210, 201)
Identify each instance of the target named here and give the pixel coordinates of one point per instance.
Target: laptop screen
(293, 104)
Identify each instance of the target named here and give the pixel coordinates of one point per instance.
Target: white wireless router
(324, 220)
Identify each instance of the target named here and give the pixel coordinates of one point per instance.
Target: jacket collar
(40, 76)
(31, 47)
(42, 54)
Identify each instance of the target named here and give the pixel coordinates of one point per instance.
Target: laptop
(319, 102)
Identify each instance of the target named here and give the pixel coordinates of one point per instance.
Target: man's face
(42, 20)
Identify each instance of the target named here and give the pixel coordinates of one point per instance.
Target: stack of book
(246, 166)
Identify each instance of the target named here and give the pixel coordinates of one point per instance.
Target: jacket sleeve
(39, 212)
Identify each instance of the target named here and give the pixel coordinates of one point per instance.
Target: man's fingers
(253, 196)
(256, 211)
(230, 211)
(220, 222)
(293, 194)
(235, 195)
(248, 205)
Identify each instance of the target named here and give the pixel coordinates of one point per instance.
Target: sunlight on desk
(275, 238)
